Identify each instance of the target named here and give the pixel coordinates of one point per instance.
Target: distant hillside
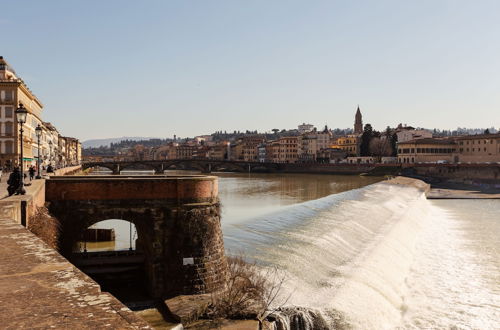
(96, 143)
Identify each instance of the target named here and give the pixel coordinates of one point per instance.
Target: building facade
(481, 148)
(13, 91)
(428, 151)
(350, 144)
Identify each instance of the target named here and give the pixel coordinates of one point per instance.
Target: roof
(479, 136)
(429, 141)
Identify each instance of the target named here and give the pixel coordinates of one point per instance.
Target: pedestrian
(14, 181)
(32, 172)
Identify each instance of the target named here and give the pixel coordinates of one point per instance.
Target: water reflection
(125, 237)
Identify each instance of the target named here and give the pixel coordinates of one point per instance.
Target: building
(219, 151)
(13, 91)
(250, 147)
(309, 144)
(428, 151)
(331, 155)
(304, 128)
(54, 150)
(360, 160)
(262, 153)
(358, 122)
(50, 145)
(350, 144)
(481, 148)
(287, 149)
(409, 133)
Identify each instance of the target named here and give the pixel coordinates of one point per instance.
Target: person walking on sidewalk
(14, 181)
(32, 172)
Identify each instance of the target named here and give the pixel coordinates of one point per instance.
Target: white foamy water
(381, 257)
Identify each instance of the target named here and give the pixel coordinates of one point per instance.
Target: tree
(394, 144)
(365, 140)
(487, 131)
(380, 146)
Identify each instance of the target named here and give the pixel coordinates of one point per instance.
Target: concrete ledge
(40, 289)
(21, 207)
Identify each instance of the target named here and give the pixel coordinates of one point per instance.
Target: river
(367, 256)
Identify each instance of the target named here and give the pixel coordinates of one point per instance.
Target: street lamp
(50, 152)
(38, 131)
(21, 114)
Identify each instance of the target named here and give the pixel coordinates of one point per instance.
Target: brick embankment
(40, 289)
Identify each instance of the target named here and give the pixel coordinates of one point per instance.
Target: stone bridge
(203, 165)
(177, 221)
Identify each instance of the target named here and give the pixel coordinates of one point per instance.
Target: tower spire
(358, 122)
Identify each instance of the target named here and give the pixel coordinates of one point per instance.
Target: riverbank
(443, 193)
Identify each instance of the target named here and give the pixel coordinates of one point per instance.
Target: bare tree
(380, 146)
(251, 292)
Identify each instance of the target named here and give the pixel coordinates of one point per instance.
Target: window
(8, 95)
(8, 128)
(9, 147)
(9, 112)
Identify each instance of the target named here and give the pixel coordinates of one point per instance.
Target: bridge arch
(150, 165)
(121, 232)
(177, 221)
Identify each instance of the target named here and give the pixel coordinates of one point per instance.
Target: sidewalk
(3, 184)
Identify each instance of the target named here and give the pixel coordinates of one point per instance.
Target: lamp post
(50, 152)
(21, 114)
(38, 131)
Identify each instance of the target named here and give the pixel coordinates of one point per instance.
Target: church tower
(358, 123)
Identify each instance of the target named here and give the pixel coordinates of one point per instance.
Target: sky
(157, 68)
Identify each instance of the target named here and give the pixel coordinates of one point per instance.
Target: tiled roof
(479, 136)
(429, 141)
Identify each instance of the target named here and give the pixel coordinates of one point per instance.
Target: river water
(367, 256)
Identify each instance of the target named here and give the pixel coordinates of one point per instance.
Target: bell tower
(358, 122)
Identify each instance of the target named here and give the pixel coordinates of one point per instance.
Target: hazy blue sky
(157, 68)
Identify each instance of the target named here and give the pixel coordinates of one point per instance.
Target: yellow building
(350, 144)
(481, 148)
(13, 91)
(428, 151)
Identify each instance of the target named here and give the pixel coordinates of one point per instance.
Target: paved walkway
(39, 289)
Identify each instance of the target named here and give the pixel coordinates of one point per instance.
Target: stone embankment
(38, 287)
(41, 289)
